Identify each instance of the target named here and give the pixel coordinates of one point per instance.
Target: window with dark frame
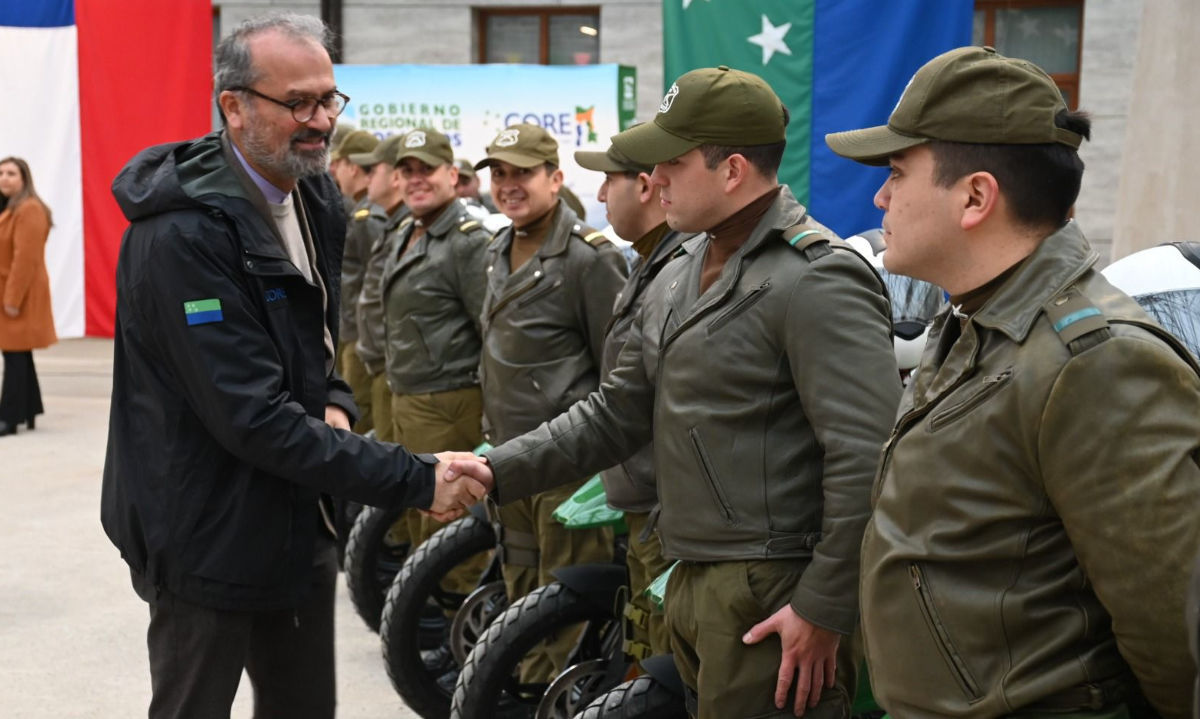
(539, 36)
(1046, 32)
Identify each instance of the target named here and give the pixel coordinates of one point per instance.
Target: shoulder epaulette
(813, 242)
(1079, 323)
(469, 225)
(360, 215)
(590, 235)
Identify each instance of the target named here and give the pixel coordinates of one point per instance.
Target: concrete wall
(1160, 169)
(1110, 41)
(444, 32)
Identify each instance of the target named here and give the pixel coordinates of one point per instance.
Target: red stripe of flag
(145, 77)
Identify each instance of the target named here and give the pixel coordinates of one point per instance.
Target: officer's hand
(807, 649)
(452, 496)
(475, 467)
(336, 417)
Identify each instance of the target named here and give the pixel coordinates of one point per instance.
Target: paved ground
(72, 632)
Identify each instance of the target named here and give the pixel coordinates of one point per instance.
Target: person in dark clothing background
(228, 420)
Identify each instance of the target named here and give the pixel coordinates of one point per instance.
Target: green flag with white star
(836, 64)
(770, 38)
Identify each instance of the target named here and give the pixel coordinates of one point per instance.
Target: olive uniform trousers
(645, 561)
(441, 421)
(709, 607)
(535, 544)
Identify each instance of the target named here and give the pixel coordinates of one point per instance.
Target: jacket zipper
(991, 385)
(533, 295)
(941, 636)
(739, 307)
(711, 477)
(504, 301)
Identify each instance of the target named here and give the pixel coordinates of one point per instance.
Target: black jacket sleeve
(231, 374)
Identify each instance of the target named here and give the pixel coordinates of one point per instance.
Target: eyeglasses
(303, 109)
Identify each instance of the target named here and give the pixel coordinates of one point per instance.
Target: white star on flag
(686, 3)
(770, 39)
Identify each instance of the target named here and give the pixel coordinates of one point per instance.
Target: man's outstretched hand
(455, 492)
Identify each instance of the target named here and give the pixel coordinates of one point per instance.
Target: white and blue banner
(582, 106)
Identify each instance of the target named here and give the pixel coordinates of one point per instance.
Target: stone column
(1159, 191)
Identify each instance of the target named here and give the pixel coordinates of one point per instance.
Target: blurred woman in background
(26, 319)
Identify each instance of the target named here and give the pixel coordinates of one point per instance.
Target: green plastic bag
(483, 448)
(657, 591)
(588, 507)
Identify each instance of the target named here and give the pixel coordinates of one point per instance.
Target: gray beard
(286, 161)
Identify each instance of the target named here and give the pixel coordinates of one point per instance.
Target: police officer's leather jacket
(543, 325)
(217, 445)
(371, 341)
(366, 224)
(1035, 515)
(630, 486)
(769, 395)
(432, 297)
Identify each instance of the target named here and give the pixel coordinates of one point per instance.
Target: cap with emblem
(465, 168)
(387, 151)
(523, 145)
(709, 106)
(611, 160)
(970, 95)
(353, 143)
(428, 146)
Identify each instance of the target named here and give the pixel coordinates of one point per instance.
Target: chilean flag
(87, 84)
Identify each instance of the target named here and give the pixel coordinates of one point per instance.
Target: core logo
(669, 99)
(507, 138)
(416, 138)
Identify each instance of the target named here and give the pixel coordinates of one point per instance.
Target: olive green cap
(712, 105)
(465, 168)
(522, 145)
(971, 95)
(428, 146)
(610, 160)
(353, 143)
(387, 151)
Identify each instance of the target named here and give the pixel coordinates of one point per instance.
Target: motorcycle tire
(412, 665)
(487, 687)
(371, 563)
(640, 698)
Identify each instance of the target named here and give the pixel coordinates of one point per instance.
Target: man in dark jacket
(228, 420)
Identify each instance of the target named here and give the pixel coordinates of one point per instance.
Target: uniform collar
(446, 219)
(1058, 261)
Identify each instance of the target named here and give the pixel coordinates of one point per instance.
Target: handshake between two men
(461, 480)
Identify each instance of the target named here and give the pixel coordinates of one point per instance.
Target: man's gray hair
(233, 65)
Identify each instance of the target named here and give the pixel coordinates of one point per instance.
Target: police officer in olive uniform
(762, 361)
(551, 286)
(367, 220)
(632, 204)
(433, 284)
(384, 190)
(350, 178)
(467, 189)
(1035, 513)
